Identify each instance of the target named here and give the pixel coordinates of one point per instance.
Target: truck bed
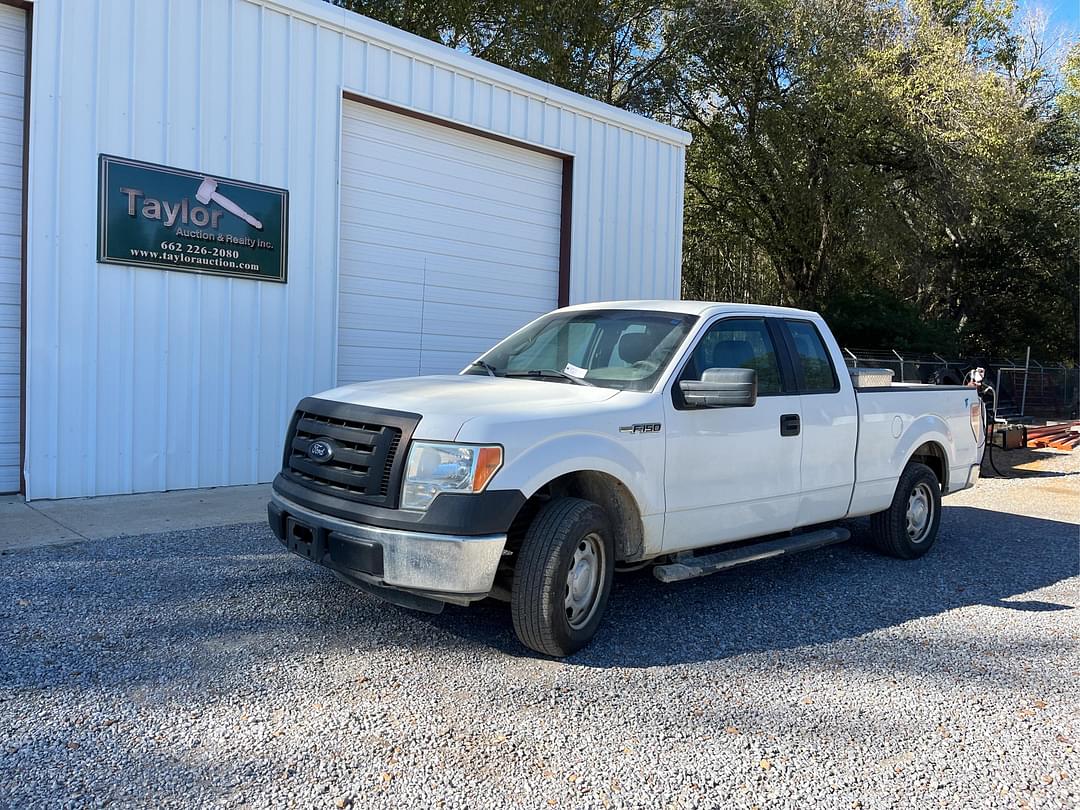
(894, 421)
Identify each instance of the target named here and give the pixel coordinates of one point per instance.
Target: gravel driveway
(210, 667)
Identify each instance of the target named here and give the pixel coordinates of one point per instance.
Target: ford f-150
(685, 435)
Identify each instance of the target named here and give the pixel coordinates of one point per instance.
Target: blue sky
(1064, 14)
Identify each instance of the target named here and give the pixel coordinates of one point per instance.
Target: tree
(912, 166)
(783, 156)
(611, 50)
(898, 152)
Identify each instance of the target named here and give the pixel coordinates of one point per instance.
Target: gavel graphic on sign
(208, 193)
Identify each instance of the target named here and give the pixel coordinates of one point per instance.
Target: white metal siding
(142, 380)
(449, 242)
(12, 68)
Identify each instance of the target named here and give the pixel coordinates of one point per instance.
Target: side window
(738, 343)
(815, 367)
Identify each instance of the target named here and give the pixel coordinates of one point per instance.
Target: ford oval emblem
(321, 450)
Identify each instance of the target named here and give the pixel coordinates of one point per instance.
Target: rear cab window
(814, 369)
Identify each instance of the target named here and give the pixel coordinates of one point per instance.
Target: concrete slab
(20, 524)
(43, 522)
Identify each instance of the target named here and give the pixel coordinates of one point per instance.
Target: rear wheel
(563, 576)
(909, 527)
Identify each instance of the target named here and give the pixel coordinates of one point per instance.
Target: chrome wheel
(584, 580)
(920, 512)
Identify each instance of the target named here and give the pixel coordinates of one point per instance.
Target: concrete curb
(41, 523)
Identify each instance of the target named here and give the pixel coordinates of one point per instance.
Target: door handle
(790, 424)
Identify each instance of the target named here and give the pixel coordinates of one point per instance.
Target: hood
(446, 402)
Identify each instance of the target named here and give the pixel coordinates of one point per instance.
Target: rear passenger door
(732, 472)
(830, 424)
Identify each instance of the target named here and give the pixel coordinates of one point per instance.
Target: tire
(919, 493)
(548, 615)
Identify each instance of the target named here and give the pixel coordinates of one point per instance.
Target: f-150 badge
(641, 427)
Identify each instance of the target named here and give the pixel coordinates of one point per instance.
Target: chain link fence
(732, 270)
(1025, 387)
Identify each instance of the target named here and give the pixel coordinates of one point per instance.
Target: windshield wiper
(486, 366)
(549, 372)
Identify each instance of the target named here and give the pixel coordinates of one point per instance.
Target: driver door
(733, 472)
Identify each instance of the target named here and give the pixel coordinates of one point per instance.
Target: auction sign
(170, 219)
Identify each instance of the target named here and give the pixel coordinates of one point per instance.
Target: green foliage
(1070, 92)
(876, 318)
(911, 167)
(612, 50)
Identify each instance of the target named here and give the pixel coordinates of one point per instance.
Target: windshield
(626, 349)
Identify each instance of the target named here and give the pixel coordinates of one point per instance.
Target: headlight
(433, 468)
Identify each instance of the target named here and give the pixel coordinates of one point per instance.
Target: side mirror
(721, 388)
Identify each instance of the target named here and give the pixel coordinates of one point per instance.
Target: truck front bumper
(437, 567)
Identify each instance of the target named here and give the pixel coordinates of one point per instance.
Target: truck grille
(361, 459)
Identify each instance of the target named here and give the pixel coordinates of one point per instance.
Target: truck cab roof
(699, 308)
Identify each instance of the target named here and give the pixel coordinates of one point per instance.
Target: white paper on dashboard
(575, 371)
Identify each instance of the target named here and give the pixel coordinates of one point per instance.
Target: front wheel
(563, 577)
(909, 527)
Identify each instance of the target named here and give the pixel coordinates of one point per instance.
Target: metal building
(336, 201)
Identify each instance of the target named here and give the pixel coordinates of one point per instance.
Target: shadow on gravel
(115, 632)
(1016, 473)
(195, 606)
(1032, 605)
(1019, 463)
(981, 558)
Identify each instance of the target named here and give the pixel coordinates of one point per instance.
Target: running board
(690, 566)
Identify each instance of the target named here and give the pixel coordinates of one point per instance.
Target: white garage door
(449, 242)
(12, 65)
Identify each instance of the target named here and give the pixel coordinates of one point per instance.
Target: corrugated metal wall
(144, 380)
(12, 82)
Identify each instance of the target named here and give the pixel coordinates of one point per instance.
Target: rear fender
(878, 474)
(927, 428)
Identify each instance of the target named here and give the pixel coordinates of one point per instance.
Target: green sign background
(149, 216)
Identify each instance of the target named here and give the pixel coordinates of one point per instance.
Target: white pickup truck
(686, 435)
